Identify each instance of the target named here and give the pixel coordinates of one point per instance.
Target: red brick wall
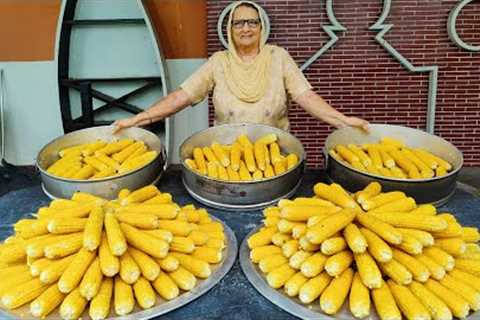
(358, 77)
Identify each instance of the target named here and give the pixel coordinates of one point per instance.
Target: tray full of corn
(138, 256)
(369, 254)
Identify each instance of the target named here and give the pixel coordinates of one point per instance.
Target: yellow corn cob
(243, 172)
(183, 278)
(54, 270)
(424, 169)
(65, 225)
(182, 244)
(93, 229)
(279, 239)
(418, 270)
(359, 298)
(144, 293)
(346, 154)
(326, 192)
(385, 172)
(210, 255)
(279, 167)
(13, 253)
(212, 171)
(138, 152)
(176, 227)
(389, 141)
(293, 285)
(35, 268)
(354, 238)
(149, 244)
(169, 263)
(84, 173)
(197, 267)
(387, 160)
(425, 238)
(338, 263)
(410, 245)
(199, 238)
(47, 302)
(432, 159)
(163, 198)
(472, 248)
(374, 154)
(466, 278)
(407, 220)
(115, 146)
(330, 225)
(233, 175)
(436, 270)
(271, 212)
(368, 269)
(290, 248)
(109, 264)
(257, 175)
(332, 299)
(75, 271)
(292, 160)
(260, 252)
(73, 305)
(209, 155)
(122, 155)
(33, 248)
(298, 258)
(162, 211)
(244, 141)
(275, 155)
(407, 165)
(123, 297)
(95, 163)
(222, 173)
(378, 248)
(91, 280)
(385, 303)
(469, 265)
(13, 277)
(440, 171)
(286, 226)
(306, 245)
(312, 289)
(362, 156)
(271, 221)
(210, 227)
(220, 155)
(63, 247)
(23, 293)
(453, 246)
(371, 190)
(457, 305)
(465, 291)
(36, 228)
(100, 304)
(313, 265)
(382, 199)
(269, 171)
(280, 275)
(454, 229)
(261, 238)
(436, 307)
(333, 245)
(411, 307)
(441, 257)
(470, 234)
(235, 156)
(142, 221)
(116, 239)
(215, 239)
(191, 164)
(303, 213)
(401, 205)
(148, 267)
(248, 155)
(397, 272)
(166, 287)
(426, 209)
(141, 195)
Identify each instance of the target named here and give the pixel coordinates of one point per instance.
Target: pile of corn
(391, 158)
(242, 160)
(107, 253)
(407, 259)
(101, 159)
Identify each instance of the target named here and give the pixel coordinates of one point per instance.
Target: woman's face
(246, 27)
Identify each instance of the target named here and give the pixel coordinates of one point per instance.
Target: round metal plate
(293, 305)
(218, 272)
(246, 207)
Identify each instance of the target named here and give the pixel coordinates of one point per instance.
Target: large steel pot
(241, 195)
(108, 188)
(436, 190)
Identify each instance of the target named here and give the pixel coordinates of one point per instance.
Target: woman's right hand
(124, 124)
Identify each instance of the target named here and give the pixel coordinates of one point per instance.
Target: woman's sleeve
(200, 83)
(295, 81)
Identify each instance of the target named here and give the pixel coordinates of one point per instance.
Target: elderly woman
(250, 82)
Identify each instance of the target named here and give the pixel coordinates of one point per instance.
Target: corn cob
(382, 229)
(162, 198)
(123, 297)
(382, 199)
(426, 209)
(210, 255)
(457, 305)
(260, 252)
(23, 293)
(470, 234)
(469, 265)
(209, 155)
(279, 239)
(116, 239)
(11, 270)
(346, 154)
(425, 238)
(407, 220)
(73, 305)
(166, 287)
(330, 225)
(280, 167)
(162, 211)
(191, 164)
(398, 173)
(233, 175)
(466, 278)
(144, 293)
(183, 278)
(47, 302)
(212, 170)
(359, 298)
(378, 248)
(303, 213)
(197, 267)
(55, 269)
(401, 205)
(261, 238)
(12, 253)
(138, 152)
(243, 172)
(313, 265)
(385, 303)
(199, 238)
(368, 270)
(314, 287)
(148, 267)
(410, 245)
(371, 190)
(397, 272)
(355, 240)
(362, 156)
(333, 245)
(290, 248)
(142, 221)
(293, 285)
(169, 263)
(145, 242)
(14, 280)
(339, 198)
(405, 164)
(441, 257)
(176, 227)
(259, 153)
(306, 245)
(36, 228)
(453, 246)
(298, 258)
(93, 229)
(109, 264)
(436, 270)
(418, 270)
(436, 307)
(335, 294)
(277, 277)
(63, 225)
(275, 155)
(75, 271)
(286, 226)
(425, 171)
(63, 247)
(141, 195)
(453, 229)
(91, 280)
(464, 290)
(411, 307)
(298, 232)
(100, 304)
(338, 263)
(138, 161)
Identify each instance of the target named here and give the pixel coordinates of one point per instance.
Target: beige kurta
(271, 109)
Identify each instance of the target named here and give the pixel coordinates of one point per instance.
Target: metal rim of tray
(240, 207)
(437, 203)
(202, 287)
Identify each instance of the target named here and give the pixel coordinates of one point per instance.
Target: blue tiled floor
(233, 298)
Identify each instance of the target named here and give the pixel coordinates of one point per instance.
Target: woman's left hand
(358, 123)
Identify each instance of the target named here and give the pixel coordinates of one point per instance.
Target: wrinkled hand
(123, 124)
(358, 123)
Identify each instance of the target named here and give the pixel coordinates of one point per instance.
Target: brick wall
(358, 77)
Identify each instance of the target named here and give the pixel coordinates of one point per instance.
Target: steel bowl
(108, 188)
(436, 190)
(241, 195)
